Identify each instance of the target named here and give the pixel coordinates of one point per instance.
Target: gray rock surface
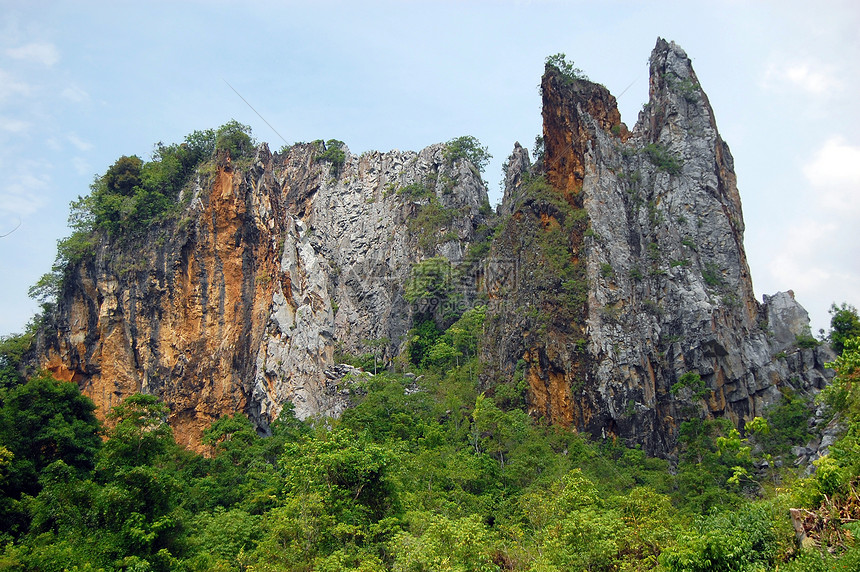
(786, 320)
(281, 263)
(242, 302)
(669, 288)
(348, 254)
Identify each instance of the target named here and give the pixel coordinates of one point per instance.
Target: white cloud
(797, 260)
(13, 125)
(819, 257)
(835, 174)
(812, 78)
(82, 167)
(74, 93)
(79, 143)
(10, 86)
(40, 53)
(23, 194)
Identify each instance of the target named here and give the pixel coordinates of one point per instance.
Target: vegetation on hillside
(134, 194)
(425, 473)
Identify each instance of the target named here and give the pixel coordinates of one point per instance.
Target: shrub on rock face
(469, 148)
(334, 154)
(569, 72)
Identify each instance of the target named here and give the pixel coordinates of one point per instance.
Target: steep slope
(666, 296)
(240, 303)
(619, 296)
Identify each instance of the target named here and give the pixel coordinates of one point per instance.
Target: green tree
(139, 436)
(422, 338)
(789, 422)
(844, 324)
(497, 432)
(241, 469)
(43, 421)
(333, 152)
(469, 148)
(711, 454)
(123, 176)
(12, 350)
(222, 539)
(437, 542)
(843, 396)
(430, 281)
(348, 470)
(572, 526)
(569, 72)
(733, 541)
(386, 410)
(235, 139)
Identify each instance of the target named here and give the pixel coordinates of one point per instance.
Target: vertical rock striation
(668, 285)
(616, 273)
(239, 303)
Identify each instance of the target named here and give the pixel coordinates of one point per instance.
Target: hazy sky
(83, 83)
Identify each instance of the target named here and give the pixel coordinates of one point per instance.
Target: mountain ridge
(616, 272)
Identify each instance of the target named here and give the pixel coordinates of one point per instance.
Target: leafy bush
(469, 148)
(12, 350)
(712, 275)
(789, 421)
(844, 324)
(416, 191)
(235, 139)
(42, 422)
(742, 541)
(692, 381)
(428, 222)
(663, 159)
(333, 153)
(134, 194)
(806, 341)
(430, 280)
(606, 270)
(569, 72)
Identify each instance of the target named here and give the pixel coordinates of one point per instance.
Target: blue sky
(83, 83)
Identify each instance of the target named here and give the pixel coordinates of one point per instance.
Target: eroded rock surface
(668, 286)
(240, 303)
(617, 267)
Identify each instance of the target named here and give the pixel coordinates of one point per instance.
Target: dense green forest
(425, 473)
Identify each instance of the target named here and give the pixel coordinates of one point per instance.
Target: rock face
(668, 286)
(241, 302)
(619, 296)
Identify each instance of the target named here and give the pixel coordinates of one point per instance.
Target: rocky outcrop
(668, 286)
(240, 302)
(616, 281)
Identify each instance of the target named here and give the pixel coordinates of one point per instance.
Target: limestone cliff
(240, 302)
(619, 296)
(660, 261)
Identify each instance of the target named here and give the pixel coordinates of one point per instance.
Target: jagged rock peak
(517, 170)
(572, 109)
(667, 286)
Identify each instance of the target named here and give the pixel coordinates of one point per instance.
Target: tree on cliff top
(469, 148)
(235, 138)
(569, 72)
